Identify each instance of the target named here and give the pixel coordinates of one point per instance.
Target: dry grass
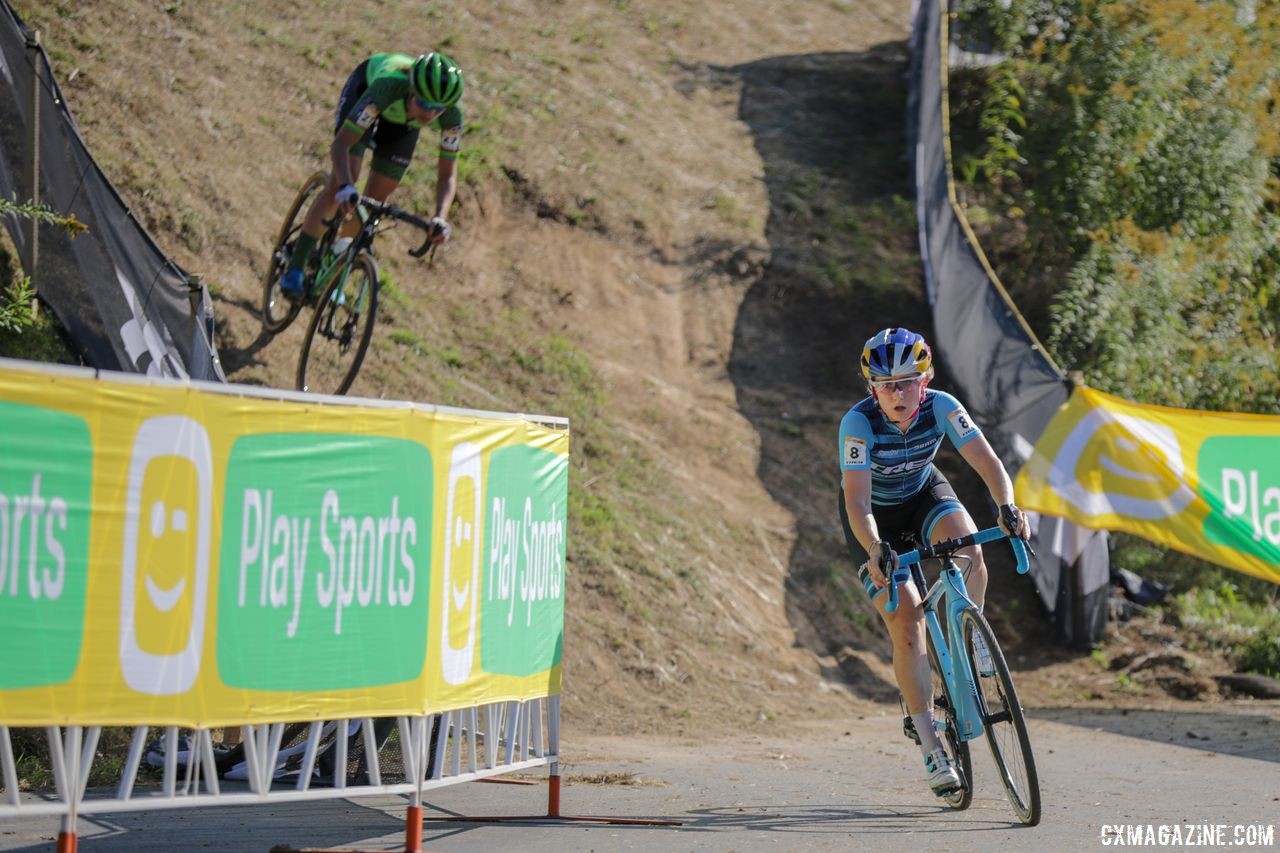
(674, 228)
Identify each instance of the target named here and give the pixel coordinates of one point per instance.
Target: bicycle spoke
(1005, 724)
(277, 311)
(340, 329)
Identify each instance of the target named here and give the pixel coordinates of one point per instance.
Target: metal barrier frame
(470, 744)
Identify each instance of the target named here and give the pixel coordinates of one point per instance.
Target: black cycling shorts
(392, 144)
(904, 526)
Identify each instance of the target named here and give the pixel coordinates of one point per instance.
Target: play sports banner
(1206, 483)
(176, 554)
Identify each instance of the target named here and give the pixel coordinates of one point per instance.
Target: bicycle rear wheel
(340, 330)
(957, 749)
(277, 311)
(1004, 722)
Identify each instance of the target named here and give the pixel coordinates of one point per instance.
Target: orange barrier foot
(413, 830)
(412, 838)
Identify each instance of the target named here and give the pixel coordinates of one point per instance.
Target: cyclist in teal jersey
(386, 101)
(892, 496)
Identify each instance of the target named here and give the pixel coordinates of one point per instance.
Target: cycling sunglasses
(426, 107)
(897, 384)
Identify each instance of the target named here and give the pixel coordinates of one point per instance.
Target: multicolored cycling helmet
(895, 354)
(436, 79)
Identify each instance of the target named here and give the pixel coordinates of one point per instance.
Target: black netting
(1008, 383)
(125, 305)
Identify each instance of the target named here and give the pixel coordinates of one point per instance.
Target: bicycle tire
(340, 329)
(277, 311)
(1005, 724)
(957, 749)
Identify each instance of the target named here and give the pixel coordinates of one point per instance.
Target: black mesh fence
(125, 305)
(1009, 383)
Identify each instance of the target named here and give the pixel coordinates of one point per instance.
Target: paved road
(805, 788)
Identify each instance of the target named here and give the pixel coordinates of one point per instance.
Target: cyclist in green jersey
(386, 101)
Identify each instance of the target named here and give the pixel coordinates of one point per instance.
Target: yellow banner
(1205, 483)
(194, 556)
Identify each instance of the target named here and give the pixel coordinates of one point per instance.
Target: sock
(302, 249)
(924, 727)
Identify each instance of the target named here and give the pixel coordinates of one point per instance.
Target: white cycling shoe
(986, 664)
(942, 776)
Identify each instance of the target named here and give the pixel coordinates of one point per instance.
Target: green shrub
(1261, 654)
(1141, 139)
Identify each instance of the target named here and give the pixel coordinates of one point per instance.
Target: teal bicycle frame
(955, 667)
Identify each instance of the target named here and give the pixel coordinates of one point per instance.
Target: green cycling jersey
(387, 80)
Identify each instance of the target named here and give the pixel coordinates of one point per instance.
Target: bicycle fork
(955, 667)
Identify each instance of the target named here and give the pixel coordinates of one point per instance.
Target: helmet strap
(924, 386)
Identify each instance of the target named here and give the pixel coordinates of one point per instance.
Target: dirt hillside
(676, 226)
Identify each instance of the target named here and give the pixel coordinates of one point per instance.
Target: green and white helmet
(436, 79)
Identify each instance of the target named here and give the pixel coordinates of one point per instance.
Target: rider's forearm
(997, 481)
(446, 188)
(340, 158)
(987, 465)
(861, 520)
(864, 528)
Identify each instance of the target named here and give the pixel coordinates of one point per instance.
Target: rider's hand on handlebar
(440, 230)
(346, 197)
(883, 560)
(1014, 522)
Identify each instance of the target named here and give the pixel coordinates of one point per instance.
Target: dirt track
(810, 788)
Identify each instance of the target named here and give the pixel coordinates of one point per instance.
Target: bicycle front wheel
(277, 311)
(340, 330)
(957, 749)
(1004, 722)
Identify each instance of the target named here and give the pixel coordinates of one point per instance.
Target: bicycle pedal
(909, 729)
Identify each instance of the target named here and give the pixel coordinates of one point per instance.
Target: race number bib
(855, 452)
(451, 140)
(962, 424)
(367, 116)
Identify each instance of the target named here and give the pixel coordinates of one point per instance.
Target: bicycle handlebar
(945, 549)
(382, 208)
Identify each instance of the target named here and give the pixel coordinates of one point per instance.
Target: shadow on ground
(1237, 731)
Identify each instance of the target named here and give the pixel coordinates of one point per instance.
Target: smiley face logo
(165, 560)
(1119, 464)
(461, 563)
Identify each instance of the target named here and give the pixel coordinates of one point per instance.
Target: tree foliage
(1146, 155)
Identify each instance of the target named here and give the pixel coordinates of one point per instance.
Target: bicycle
(342, 286)
(966, 707)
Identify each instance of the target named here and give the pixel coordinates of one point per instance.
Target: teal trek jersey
(901, 462)
(388, 77)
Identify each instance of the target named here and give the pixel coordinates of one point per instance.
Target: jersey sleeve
(953, 420)
(382, 93)
(450, 132)
(855, 442)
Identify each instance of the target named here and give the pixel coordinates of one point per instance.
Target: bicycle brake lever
(897, 576)
(427, 248)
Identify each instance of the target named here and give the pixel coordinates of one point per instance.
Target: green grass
(406, 338)
(1219, 618)
(34, 768)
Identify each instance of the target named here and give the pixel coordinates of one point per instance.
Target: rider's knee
(977, 565)
(906, 628)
